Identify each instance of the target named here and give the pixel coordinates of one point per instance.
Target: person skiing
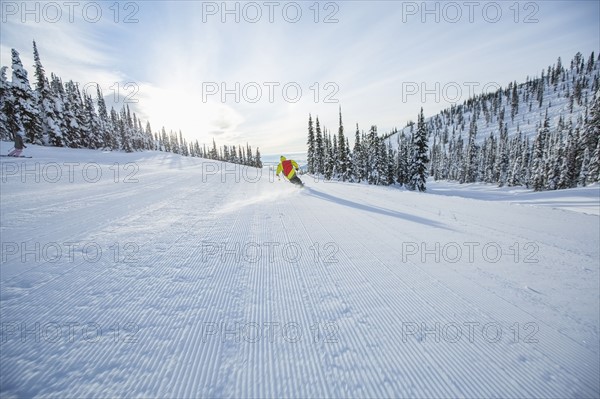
(289, 168)
(19, 145)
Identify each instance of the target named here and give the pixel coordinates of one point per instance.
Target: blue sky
(381, 61)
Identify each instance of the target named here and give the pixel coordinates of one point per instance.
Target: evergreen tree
(329, 157)
(515, 102)
(51, 132)
(540, 91)
(594, 168)
(103, 119)
(125, 125)
(114, 128)
(258, 162)
(24, 108)
(372, 158)
(585, 168)
(470, 162)
(319, 161)
(6, 103)
(502, 159)
(568, 170)
(539, 160)
(357, 158)
(311, 146)
(213, 153)
(72, 116)
(335, 152)
(591, 129)
(342, 152)
(418, 170)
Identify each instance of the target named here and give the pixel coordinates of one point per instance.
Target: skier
(289, 168)
(18, 146)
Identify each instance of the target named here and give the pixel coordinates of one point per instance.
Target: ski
(11, 156)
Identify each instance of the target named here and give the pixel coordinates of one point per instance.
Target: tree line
(61, 115)
(543, 134)
(372, 158)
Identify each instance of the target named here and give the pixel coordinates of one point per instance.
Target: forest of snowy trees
(372, 159)
(57, 114)
(543, 134)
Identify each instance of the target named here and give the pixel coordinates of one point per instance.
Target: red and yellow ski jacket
(288, 167)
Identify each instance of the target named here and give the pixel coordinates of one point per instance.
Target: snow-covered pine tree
(540, 91)
(585, 168)
(258, 161)
(470, 160)
(502, 157)
(125, 133)
(114, 129)
(357, 158)
(335, 159)
(402, 159)
(6, 101)
(329, 162)
(250, 158)
(487, 166)
(182, 148)
(514, 109)
(539, 156)
(103, 120)
(391, 165)
(51, 131)
(342, 151)
(553, 165)
(591, 129)
(594, 173)
(319, 162)
(71, 116)
(153, 142)
(418, 169)
(372, 160)
(24, 107)
(568, 170)
(213, 152)
(348, 161)
(310, 154)
(92, 122)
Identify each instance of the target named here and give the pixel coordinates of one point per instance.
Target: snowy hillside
(563, 91)
(542, 134)
(150, 274)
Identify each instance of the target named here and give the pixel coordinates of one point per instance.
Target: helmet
(282, 158)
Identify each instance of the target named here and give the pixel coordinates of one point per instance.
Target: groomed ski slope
(181, 277)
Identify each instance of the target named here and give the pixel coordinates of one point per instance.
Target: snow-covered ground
(153, 275)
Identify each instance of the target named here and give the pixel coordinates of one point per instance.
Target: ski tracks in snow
(238, 289)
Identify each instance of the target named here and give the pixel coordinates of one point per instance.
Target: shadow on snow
(375, 209)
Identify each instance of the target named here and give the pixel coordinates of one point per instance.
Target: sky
(252, 72)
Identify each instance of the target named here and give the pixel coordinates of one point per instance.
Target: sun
(177, 109)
